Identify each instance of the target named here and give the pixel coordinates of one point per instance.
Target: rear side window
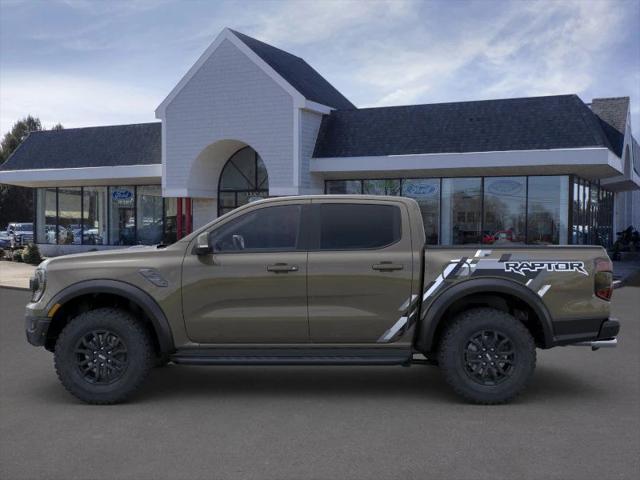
(345, 226)
(265, 229)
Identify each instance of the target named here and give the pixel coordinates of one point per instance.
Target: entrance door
(359, 271)
(252, 289)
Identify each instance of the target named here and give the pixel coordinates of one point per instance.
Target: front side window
(358, 226)
(265, 229)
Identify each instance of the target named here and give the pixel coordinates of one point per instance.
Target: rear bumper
(607, 336)
(36, 329)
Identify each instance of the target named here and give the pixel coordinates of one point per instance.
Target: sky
(85, 63)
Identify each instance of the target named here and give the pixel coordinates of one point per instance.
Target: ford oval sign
(122, 195)
(505, 187)
(417, 189)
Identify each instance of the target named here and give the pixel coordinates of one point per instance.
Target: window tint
(270, 228)
(358, 226)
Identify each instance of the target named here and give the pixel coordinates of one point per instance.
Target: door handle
(282, 268)
(387, 266)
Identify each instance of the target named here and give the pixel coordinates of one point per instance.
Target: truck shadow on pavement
(421, 382)
(424, 383)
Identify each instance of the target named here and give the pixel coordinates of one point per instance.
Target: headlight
(38, 284)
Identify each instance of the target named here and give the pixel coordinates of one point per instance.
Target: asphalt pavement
(580, 419)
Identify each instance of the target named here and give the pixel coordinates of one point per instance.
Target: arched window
(243, 179)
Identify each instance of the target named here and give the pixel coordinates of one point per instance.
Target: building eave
(66, 177)
(591, 163)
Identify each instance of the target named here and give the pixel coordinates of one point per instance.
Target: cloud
(73, 101)
(534, 48)
(305, 22)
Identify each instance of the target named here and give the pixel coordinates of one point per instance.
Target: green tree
(16, 203)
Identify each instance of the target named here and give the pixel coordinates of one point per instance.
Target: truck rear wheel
(102, 356)
(487, 356)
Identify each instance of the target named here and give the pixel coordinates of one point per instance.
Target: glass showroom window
(122, 218)
(427, 193)
(94, 215)
(170, 232)
(46, 215)
(69, 216)
(548, 207)
(243, 179)
(350, 187)
(505, 200)
(461, 210)
(149, 214)
(381, 187)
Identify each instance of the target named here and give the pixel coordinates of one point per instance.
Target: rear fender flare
(136, 295)
(435, 313)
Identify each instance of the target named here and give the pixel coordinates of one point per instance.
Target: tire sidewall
(452, 356)
(121, 324)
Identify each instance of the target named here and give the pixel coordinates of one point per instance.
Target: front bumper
(36, 329)
(607, 336)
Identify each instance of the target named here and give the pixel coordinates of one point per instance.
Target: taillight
(603, 283)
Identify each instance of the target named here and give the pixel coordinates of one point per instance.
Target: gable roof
(292, 73)
(302, 76)
(110, 146)
(612, 113)
(533, 123)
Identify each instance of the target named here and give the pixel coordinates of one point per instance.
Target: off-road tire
(454, 351)
(139, 355)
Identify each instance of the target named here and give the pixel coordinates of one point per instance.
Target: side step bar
(293, 356)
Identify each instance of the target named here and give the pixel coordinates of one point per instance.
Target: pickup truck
(318, 280)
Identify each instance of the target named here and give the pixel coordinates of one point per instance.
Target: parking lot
(580, 419)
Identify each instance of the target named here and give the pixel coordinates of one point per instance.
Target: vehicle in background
(5, 240)
(20, 234)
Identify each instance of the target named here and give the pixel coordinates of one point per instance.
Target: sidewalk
(15, 275)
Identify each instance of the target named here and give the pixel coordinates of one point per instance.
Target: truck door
(360, 269)
(252, 288)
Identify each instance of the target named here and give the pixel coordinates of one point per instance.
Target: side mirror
(202, 244)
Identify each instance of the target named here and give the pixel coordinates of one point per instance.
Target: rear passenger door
(359, 269)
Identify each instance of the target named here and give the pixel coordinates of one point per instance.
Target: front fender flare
(136, 295)
(435, 312)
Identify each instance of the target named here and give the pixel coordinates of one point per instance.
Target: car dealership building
(250, 121)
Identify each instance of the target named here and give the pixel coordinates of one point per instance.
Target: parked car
(20, 234)
(320, 280)
(5, 240)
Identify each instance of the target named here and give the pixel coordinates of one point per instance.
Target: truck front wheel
(487, 356)
(102, 356)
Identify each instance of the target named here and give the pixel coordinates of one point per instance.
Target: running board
(293, 356)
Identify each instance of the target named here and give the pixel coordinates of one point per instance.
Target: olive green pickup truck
(318, 280)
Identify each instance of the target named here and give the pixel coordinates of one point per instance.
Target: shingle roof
(137, 144)
(562, 121)
(298, 73)
(612, 113)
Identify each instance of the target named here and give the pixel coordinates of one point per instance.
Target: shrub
(31, 254)
(1, 253)
(17, 256)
